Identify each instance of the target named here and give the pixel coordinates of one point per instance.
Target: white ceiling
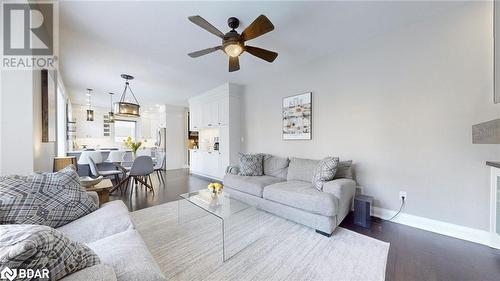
(150, 40)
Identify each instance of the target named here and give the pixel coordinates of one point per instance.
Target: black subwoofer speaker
(362, 206)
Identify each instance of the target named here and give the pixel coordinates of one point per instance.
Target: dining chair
(95, 172)
(116, 156)
(159, 166)
(86, 155)
(141, 171)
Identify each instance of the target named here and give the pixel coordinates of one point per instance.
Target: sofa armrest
(344, 190)
(233, 170)
(94, 197)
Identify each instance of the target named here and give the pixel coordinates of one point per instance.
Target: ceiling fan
(233, 44)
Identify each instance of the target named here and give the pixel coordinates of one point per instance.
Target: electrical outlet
(403, 194)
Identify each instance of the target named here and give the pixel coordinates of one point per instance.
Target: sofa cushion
(43, 248)
(275, 166)
(344, 170)
(301, 169)
(302, 195)
(113, 217)
(52, 199)
(249, 185)
(129, 257)
(250, 164)
(325, 171)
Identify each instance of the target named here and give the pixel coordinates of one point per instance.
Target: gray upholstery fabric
(51, 199)
(100, 272)
(276, 166)
(234, 170)
(41, 247)
(325, 171)
(344, 170)
(323, 223)
(129, 257)
(302, 195)
(94, 196)
(249, 184)
(250, 164)
(301, 169)
(344, 190)
(113, 217)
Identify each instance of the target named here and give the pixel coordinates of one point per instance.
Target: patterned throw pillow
(43, 248)
(52, 199)
(325, 171)
(251, 165)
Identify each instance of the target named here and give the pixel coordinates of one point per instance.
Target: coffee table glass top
(222, 205)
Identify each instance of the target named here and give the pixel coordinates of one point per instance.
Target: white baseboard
(444, 228)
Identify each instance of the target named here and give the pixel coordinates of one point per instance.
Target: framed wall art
(297, 117)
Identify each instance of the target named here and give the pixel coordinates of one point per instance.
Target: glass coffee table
(240, 222)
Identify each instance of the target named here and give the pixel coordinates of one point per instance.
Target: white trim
(495, 173)
(444, 228)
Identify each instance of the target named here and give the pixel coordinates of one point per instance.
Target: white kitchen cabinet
(217, 113)
(195, 117)
(194, 161)
(205, 163)
(223, 111)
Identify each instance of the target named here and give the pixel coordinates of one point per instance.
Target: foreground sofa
(110, 233)
(286, 190)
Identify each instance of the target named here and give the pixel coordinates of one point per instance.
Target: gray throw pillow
(325, 171)
(275, 166)
(52, 199)
(301, 169)
(250, 165)
(344, 170)
(43, 248)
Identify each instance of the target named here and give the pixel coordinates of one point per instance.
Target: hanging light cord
(127, 86)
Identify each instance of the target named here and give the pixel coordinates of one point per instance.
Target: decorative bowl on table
(89, 182)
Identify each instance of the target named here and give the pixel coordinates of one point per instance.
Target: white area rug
(286, 250)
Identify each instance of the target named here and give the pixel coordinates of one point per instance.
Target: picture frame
(297, 117)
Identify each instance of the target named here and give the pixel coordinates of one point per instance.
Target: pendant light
(111, 113)
(90, 112)
(125, 107)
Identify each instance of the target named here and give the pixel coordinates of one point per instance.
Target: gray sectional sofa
(110, 233)
(286, 190)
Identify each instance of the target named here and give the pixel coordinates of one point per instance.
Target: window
(124, 129)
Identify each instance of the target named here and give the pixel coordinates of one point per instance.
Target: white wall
(16, 151)
(401, 106)
(176, 124)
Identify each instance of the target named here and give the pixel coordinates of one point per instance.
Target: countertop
(99, 150)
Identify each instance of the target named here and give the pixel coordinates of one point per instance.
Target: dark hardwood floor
(414, 254)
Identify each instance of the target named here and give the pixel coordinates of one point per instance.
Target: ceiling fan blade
(204, 51)
(261, 25)
(234, 64)
(203, 23)
(264, 54)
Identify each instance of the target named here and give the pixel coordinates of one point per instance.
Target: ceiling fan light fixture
(233, 50)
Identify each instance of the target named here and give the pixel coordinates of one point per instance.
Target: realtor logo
(29, 34)
(28, 29)
(8, 273)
